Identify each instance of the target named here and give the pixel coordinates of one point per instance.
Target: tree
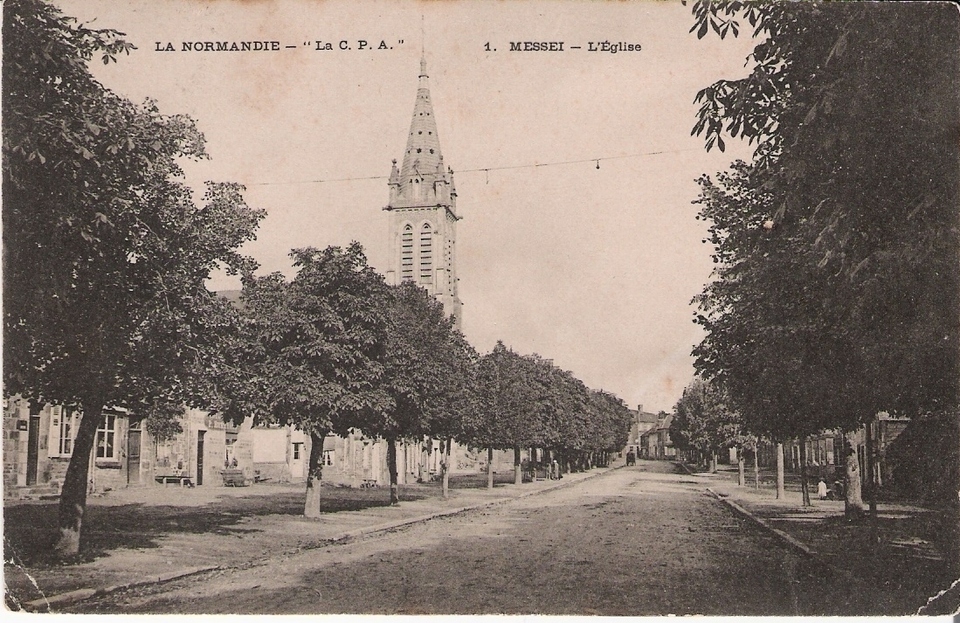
(105, 252)
(703, 422)
(311, 351)
(427, 373)
(567, 411)
(508, 402)
(864, 236)
(613, 421)
(768, 345)
(451, 406)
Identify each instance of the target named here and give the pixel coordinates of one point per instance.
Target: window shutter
(53, 435)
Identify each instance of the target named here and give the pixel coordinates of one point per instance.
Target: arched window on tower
(406, 253)
(426, 253)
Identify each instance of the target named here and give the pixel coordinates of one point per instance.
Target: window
(106, 437)
(406, 254)
(426, 253)
(63, 427)
(328, 457)
(297, 451)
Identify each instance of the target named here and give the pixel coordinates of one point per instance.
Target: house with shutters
(655, 443)
(38, 442)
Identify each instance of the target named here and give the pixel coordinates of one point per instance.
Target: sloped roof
(422, 157)
(645, 416)
(665, 423)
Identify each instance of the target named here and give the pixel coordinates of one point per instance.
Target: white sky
(592, 268)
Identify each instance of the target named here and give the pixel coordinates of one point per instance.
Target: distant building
(38, 444)
(655, 442)
(642, 422)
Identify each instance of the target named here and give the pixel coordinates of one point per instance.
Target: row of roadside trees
(837, 290)
(106, 260)
(336, 350)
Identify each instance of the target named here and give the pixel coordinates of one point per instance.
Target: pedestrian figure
(555, 468)
(822, 490)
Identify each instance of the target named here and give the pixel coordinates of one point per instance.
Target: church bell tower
(423, 210)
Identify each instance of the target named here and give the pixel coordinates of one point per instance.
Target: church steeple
(422, 206)
(422, 154)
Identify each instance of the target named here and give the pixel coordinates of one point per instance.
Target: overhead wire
(485, 170)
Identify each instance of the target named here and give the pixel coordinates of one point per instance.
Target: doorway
(33, 448)
(296, 460)
(200, 434)
(133, 456)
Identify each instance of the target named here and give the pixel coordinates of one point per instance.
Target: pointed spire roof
(422, 154)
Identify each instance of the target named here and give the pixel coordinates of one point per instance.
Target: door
(296, 460)
(33, 448)
(133, 457)
(200, 434)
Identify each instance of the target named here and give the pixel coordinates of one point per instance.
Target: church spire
(422, 154)
(422, 208)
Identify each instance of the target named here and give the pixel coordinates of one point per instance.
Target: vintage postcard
(468, 308)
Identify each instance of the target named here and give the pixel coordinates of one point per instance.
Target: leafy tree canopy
(311, 350)
(106, 253)
(836, 290)
(703, 421)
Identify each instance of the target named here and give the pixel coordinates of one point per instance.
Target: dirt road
(637, 541)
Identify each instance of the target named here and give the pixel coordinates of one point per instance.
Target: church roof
(422, 157)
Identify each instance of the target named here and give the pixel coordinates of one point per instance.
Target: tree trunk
(446, 467)
(73, 494)
(756, 465)
(517, 472)
(741, 475)
(489, 468)
(713, 462)
(780, 488)
(804, 485)
(392, 468)
(311, 507)
(852, 498)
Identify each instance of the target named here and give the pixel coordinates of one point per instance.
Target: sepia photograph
(546, 307)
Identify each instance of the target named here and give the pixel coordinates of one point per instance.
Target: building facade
(655, 442)
(642, 422)
(38, 443)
